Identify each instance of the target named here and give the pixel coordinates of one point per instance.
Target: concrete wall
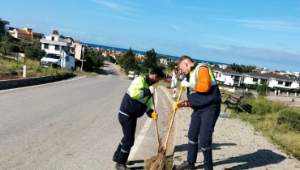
(7, 84)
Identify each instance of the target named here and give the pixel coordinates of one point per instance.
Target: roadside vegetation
(277, 121)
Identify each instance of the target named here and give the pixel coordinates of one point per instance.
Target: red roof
(78, 42)
(22, 32)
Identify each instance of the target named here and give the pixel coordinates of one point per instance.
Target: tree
(2, 27)
(171, 65)
(55, 32)
(151, 59)
(262, 89)
(6, 44)
(128, 61)
(111, 59)
(241, 68)
(93, 59)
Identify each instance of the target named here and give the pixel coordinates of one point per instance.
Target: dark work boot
(115, 159)
(121, 167)
(184, 166)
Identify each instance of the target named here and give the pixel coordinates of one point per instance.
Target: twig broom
(158, 162)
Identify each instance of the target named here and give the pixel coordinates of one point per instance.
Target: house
(54, 44)
(26, 33)
(227, 76)
(281, 81)
(165, 60)
(77, 50)
(255, 78)
(273, 80)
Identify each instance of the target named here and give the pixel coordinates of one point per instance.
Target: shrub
(290, 116)
(13, 69)
(277, 106)
(247, 97)
(37, 69)
(262, 89)
(261, 106)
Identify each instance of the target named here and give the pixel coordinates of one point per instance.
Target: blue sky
(264, 33)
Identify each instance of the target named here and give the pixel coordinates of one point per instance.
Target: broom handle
(172, 120)
(156, 127)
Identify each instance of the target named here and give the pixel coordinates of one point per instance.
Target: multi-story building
(54, 44)
(26, 33)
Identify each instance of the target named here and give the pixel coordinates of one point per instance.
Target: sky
(264, 33)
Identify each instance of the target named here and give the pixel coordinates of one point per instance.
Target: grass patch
(9, 66)
(279, 133)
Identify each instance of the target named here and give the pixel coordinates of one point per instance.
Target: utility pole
(83, 49)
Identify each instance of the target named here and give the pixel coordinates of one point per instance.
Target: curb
(179, 135)
(14, 83)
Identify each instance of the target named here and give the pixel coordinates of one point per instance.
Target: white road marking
(20, 88)
(141, 135)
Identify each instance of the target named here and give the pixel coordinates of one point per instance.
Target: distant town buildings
(26, 33)
(274, 79)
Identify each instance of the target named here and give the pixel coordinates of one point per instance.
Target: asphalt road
(71, 124)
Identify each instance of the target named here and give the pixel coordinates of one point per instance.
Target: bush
(37, 69)
(261, 106)
(13, 69)
(262, 89)
(248, 96)
(290, 116)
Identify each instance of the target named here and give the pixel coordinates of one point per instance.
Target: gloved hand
(151, 88)
(154, 115)
(185, 83)
(177, 105)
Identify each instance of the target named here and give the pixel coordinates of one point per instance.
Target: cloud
(117, 17)
(115, 6)
(31, 25)
(265, 54)
(107, 4)
(211, 48)
(271, 25)
(283, 45)
(175, 27)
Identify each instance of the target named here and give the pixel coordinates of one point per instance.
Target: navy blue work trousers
(201, 129)
(128, 127)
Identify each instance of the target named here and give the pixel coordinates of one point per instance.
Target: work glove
(154, 115)
(151, 88)
(177, 105)
(184, 83)
(182, 87)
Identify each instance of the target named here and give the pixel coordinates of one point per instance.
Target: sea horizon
(144, 53)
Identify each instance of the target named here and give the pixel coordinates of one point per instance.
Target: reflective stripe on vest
(194, 76)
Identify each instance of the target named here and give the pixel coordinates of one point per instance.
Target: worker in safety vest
(175, 74)
(204, 98)
(135, 103)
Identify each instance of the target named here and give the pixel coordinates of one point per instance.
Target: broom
(158, 162)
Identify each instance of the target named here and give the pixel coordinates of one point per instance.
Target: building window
(288, 84)
(255, 80)
(46, 46)
(280, 82)
(57, 47)
(52, 38)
